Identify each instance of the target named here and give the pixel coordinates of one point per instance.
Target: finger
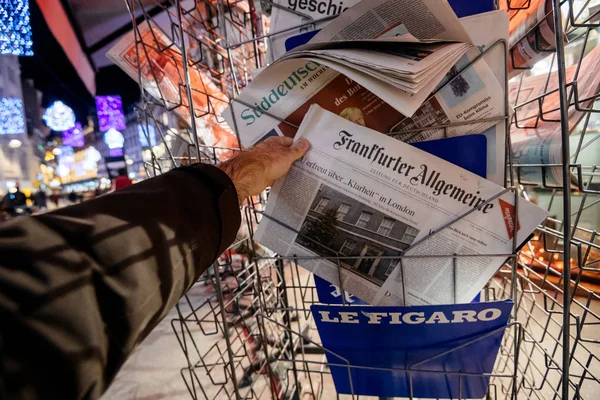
(277, 141)
(286, 141)
(299, 148)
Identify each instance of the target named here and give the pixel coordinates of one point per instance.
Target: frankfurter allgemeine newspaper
(363, 199)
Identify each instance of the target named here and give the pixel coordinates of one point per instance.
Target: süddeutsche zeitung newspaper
(363, 199)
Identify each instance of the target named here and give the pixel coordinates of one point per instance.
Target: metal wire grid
(262, 342)
(557, 304)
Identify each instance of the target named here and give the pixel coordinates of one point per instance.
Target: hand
(252, 170)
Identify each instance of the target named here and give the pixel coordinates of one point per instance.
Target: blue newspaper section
(468, 152)
(331, 294)
(440, 339)
(464, 8)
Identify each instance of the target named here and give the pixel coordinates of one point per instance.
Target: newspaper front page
(258, 111)
(363, 198)
(479, 95)
(288, 84)
(260, 108)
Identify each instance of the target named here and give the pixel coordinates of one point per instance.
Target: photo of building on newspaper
(338, 225)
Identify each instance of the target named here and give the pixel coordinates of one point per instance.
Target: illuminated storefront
(74, 170)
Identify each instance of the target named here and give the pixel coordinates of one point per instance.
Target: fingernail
(302, 144)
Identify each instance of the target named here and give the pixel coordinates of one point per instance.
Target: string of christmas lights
(74, 136)
(59, 117)
(15, 28)
(110, 113)
(12, 121)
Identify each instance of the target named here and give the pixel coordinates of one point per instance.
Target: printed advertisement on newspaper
(161, 64)
(361, 199)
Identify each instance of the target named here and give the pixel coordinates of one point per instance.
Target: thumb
(299, 148)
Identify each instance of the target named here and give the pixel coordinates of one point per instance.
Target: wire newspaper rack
(254, 338)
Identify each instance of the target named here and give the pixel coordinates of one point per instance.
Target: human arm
(82, 286)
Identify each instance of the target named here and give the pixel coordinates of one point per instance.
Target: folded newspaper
(160, 67)
(424, 19)
(387, 60)
(474, 94)
(469, 92)
(532, 34)
(359, 199)
(538, 142)
(400, 69)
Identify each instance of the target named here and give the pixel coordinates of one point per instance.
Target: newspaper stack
(382, 64)
(395, 60)
(398, 50)
(361, 199)
(403, 62)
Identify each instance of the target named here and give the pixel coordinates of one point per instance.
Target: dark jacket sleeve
(82, 286)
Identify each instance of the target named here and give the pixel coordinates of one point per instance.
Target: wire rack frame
(562, 363)
(263, 339)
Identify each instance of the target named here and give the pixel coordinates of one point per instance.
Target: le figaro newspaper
(363, 199)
